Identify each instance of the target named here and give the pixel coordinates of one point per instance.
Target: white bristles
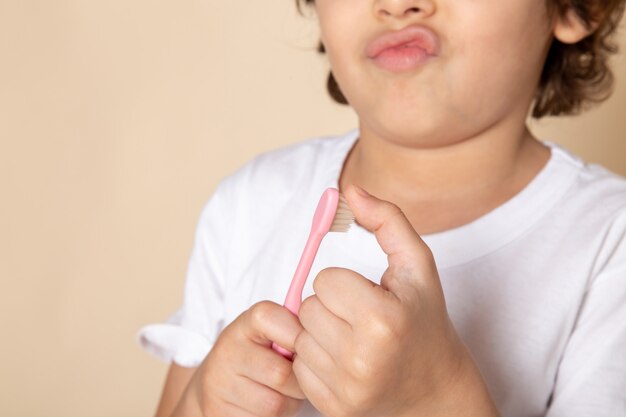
(343, 217)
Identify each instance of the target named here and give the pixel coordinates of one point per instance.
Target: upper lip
(416, 35)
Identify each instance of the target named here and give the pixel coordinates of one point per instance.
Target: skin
(242, 375)
(446, 142)
(388, 349)
(450, 134)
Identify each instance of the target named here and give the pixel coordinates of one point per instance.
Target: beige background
(117, 119)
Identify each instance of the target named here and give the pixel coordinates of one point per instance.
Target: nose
(403, 8)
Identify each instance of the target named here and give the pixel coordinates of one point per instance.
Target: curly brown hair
(574, 76)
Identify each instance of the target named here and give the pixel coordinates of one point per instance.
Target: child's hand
(388, 350)
(242, 375)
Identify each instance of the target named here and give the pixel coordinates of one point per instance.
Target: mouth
(403, 50)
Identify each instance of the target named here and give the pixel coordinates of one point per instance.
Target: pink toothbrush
(332, 214)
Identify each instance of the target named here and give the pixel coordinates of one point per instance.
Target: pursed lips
(415, 36)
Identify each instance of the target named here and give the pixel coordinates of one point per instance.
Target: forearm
(188, 406)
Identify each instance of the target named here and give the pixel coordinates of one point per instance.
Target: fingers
(249, 398)
(317, 359)
(326, 328)
(268, 368)
(242, 375)
(267, 322)
(321, 396)
(264, 323)
(394, 232)
(348, 295)
(410, 259)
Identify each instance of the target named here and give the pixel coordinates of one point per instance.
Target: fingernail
(361, 191)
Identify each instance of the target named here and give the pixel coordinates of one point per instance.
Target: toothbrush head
(343, 216)
(332, 213)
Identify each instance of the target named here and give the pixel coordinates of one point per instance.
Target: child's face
(491, 53)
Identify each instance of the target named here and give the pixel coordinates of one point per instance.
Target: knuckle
(428, 253)
(360, 367)
(363, 364)
(355, 397)
(278, 373)
(306, 305)
(327, 277)
(425, 256)
(383, 330)
(392, 210)
(260, 313)
(320, 279)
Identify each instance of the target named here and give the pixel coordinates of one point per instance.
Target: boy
(533, 319)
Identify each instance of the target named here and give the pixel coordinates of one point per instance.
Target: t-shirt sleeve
(188, 335)
(591, 380)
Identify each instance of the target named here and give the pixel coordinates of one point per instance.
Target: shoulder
(595, 206)
(271, 195)
(283, 171)
(596, 190)
(275, 183)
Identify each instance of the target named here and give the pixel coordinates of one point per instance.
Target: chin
(416, 133)
(403, 124)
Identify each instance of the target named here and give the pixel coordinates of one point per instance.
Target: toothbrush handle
(294, 294)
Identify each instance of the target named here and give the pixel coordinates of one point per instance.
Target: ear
(570, 28)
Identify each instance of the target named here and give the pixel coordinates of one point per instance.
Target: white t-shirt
(536, 287)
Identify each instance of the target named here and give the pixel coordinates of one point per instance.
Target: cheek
(494, 66)
(338, 22)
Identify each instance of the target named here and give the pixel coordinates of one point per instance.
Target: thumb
(410, 259)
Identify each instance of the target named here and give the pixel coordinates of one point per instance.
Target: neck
(492, 162)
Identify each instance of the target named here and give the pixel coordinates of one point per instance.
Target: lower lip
(401, 58)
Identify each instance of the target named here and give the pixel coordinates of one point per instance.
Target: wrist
(469, 396)
(464, 394)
